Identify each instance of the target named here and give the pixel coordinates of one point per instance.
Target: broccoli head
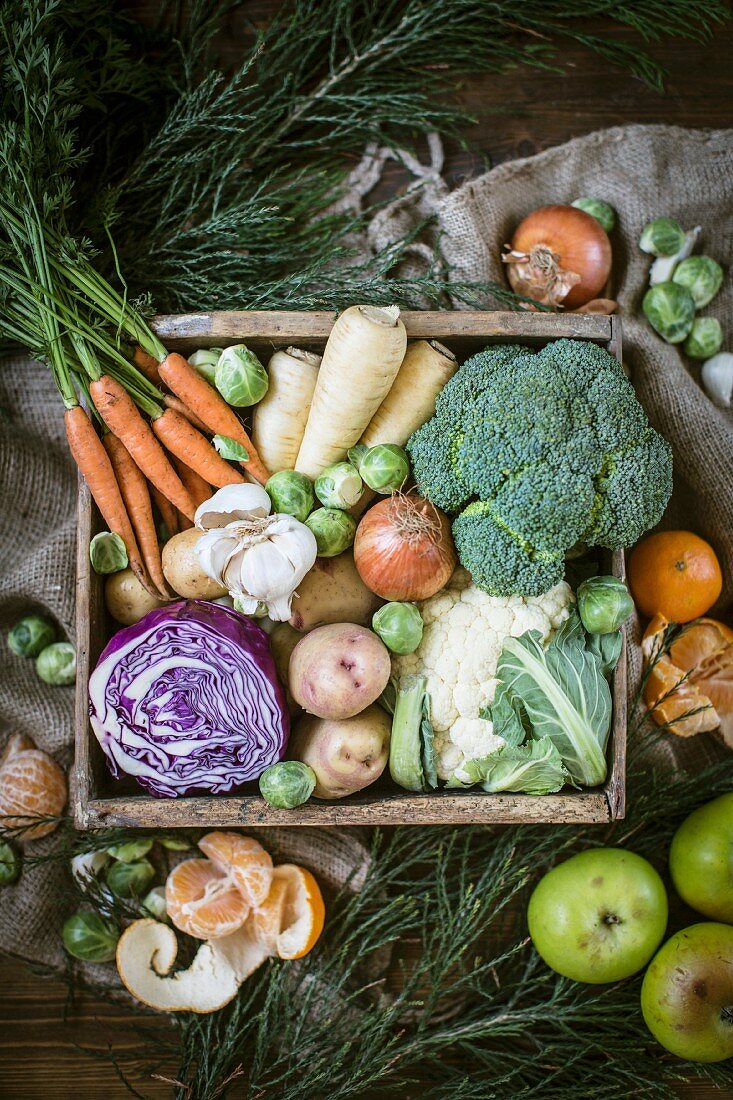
(533, 452)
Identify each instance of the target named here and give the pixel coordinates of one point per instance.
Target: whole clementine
(675, 574)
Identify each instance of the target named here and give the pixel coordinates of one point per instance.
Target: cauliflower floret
(464, 633)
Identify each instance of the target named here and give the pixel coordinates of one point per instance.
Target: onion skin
(580, 244)
(403, 548)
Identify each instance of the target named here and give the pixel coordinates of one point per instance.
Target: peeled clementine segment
(304, 911)
(690, 687)
(32, 786)
(244, 860)
(202, 901)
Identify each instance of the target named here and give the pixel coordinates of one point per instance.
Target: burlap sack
(642, 171)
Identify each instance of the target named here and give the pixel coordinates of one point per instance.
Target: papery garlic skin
(233, 502)
(259, 559)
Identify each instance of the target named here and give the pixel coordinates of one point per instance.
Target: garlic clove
(233, 502)
(663, 267)
(717, 379)
(214, 551)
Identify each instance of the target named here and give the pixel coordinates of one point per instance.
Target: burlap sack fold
(643, 171)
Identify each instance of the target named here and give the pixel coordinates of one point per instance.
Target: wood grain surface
(40, 1057)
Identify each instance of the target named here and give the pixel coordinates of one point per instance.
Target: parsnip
(280, 417)
(362, 357)
(426, 368)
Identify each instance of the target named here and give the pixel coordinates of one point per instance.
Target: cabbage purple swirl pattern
(188, 701)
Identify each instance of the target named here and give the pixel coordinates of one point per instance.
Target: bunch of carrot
(155, 410)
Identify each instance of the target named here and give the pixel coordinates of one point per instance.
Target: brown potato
(182, 570)
(346, 754)
(127, 601)
(338, 670)
(333, 592)
(283, 640)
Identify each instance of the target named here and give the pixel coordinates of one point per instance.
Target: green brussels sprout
(175, 844)
(598, 209)
(153, 904)
(9, 863)
(705, 338)
(670, 311)
(56, 664)
(384, 468)
(128, 880)
(107, 553)
(240, 377)
(334, 531)
(291, 493)
(702, 276)
(287, 784)
(339, 486)
(30, 635)
(400, 626)
(604, 604)
(662, 237)
(88, 937)
(131, 850)
(204, 362)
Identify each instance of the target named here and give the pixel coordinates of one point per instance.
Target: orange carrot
(199, 489)
(168, 513)
(134, 489)
(193, 448)
(179, 407)
(94, 463)
(122, 417)
(210, 406)
(147, 365)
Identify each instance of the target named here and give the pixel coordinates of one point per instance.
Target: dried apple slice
(146, 954)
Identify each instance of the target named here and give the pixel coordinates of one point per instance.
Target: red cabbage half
(188, 701)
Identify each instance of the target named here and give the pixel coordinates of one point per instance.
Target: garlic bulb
(260, 558)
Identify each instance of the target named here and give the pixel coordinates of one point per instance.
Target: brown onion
(403, 548)
(559, 256)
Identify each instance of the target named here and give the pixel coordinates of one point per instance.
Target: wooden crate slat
(90, 779)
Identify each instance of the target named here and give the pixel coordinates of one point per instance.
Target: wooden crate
(98, 800)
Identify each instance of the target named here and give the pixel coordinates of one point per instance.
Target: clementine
(202, 901)
(32, 786)
(675, 574)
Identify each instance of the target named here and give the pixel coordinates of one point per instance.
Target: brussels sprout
(287, 784)
(339, 486)
(56, 664)
(30, 635)
(670, 310)
(128, 880)
(702, 276)
(9, 863)
(334, 531)
(604, 604)
(705, 338)
(131, 850)
(240, 377)
(175, 844)
(400, 626)
(205, 361)
(662, 237)
(384, 468)
(86, 936)
(291, 493)
(107, 553)
(598, 209)
(229, 449)
(153, 904)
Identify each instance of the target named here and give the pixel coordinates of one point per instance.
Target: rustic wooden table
(41, 1047)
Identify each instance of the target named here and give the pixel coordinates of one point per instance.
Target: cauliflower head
(464, 632)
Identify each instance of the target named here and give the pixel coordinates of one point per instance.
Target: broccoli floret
(499, 560)
(538, 451)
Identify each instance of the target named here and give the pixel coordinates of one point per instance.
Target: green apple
(687, 993)
(599, 916)
(701, 859)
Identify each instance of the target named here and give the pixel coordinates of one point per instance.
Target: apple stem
(726, 1014)
(611, 918)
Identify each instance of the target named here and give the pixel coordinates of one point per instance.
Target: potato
(338, 670)
(127, 601)
(333, 592)
(283, 640)
(346, 754)
(182, 569)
